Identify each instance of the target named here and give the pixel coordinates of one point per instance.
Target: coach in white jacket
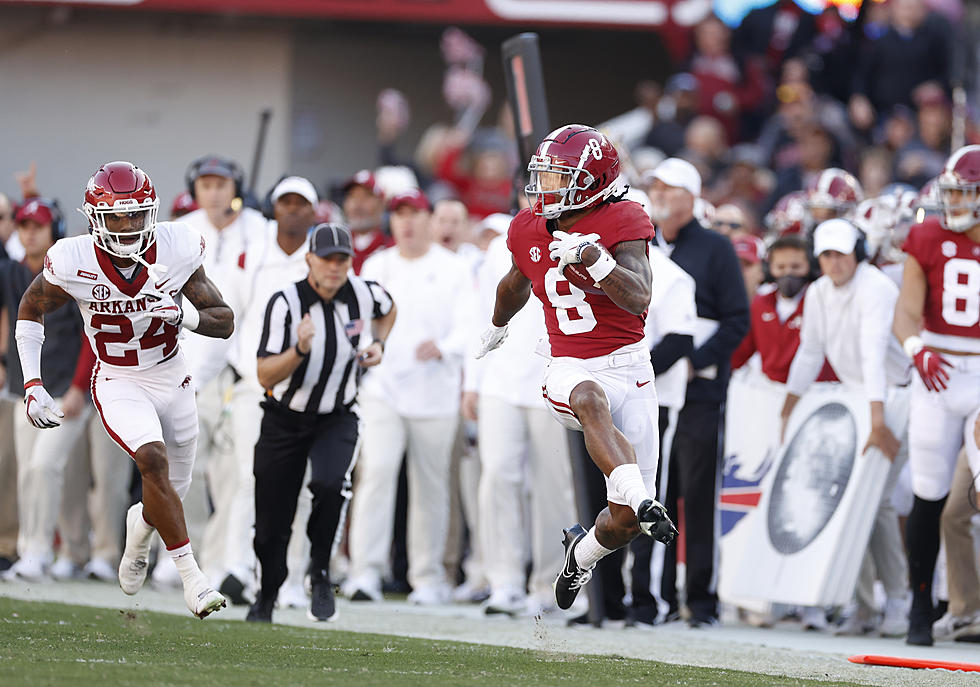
(523, 451)
(848, 319)
(410, 402)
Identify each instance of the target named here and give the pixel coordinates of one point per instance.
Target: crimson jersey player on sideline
(599, 380)
(125, 275)
(941, 293)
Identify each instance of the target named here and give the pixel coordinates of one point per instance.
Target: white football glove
(42, 411)
(567, 248)
(165, 308)
(491, 338)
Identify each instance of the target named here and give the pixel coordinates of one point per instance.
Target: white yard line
(784, 650)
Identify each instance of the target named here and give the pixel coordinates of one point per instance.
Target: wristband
(33, 382)
(299, 352)
(601, 268)
(192, 318)
(912, 346)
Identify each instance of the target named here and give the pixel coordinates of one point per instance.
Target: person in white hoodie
(410, 404)
(848, 320)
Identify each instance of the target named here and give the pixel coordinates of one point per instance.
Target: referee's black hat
(329, 238)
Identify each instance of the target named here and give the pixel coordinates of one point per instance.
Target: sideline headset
(194, 171)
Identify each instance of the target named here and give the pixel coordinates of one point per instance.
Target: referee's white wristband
(601, 268)
(912, 346)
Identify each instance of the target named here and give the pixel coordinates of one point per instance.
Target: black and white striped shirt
(326, 380)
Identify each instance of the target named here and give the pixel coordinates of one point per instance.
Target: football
(578, 276)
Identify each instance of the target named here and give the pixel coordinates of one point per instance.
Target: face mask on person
(789, 285)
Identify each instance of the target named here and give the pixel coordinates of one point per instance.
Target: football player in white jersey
(128, 276)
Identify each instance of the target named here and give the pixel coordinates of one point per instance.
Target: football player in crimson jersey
(937, 318)
(599, 380)
(125, 275)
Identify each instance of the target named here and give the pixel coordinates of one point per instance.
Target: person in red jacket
(776, 312)
(364, 209)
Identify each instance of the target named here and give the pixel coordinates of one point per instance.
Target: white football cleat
(135, 558)
(203, 599)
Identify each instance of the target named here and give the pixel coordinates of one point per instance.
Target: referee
(314, 333)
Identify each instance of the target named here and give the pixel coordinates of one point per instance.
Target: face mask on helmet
(124, 234)
(961, 209)
(554, 187)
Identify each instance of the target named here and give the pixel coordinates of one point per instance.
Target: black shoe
(571, 578)
(233, 590)
(653, 521)
(261, 610)
(696, 622)
(322, 605)
(5, 563)
(920, 621)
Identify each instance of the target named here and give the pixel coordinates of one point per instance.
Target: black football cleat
(322, 604)
(261, 610)
(571, 578)
(653, 521)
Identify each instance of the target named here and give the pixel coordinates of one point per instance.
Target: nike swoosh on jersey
(641, 384)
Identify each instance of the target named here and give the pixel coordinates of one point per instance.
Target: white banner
(799, 515)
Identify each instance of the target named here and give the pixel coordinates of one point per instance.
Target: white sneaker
(814, 618)
(895, 622)
(136, 555)
(470, 593)
(505, 602)
(949, 627)
(64, 569)
(363, 588)
(203, 599)
(430, 595)
(28, 568)
(100, 569)
(855, 626)
(293, 596)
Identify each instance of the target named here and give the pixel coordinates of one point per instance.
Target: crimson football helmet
(834, 189)
(121, 188)
(787, 216)
(574, 167)
(961, 175)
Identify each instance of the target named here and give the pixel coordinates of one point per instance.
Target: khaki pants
(961, 552)
(8, 478)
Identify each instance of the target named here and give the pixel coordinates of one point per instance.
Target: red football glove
(930, 366)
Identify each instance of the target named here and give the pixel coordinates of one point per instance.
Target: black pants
(286, 441)
(644, 607)
(695, 461)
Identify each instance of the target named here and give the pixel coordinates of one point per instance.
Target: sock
(142, 531)
(588, 551)
(628, 483)
(184, 560)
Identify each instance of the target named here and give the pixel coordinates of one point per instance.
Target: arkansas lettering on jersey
(580, 324)
(951, 263)
(114, 308)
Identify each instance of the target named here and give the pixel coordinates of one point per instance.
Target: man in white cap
(266, 267)
(848, 320)
(723, 321)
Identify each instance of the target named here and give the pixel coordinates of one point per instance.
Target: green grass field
(57, 644)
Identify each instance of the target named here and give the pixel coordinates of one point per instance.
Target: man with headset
(42, 456)
(848, 320)
(216, 184)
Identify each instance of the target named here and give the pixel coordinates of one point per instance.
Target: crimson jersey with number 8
(580, 324)
(113, 307)
(951, 262)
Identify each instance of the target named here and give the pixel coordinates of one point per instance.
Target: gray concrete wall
(79, 92)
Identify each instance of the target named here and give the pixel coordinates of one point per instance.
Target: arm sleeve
(83, 369)
(809, 357)
(877, 306)
(382, 300)
(276, 327)
(669, 350)
(732, 306)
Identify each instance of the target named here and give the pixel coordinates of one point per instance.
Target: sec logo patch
(535, 254)
(100, 292)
